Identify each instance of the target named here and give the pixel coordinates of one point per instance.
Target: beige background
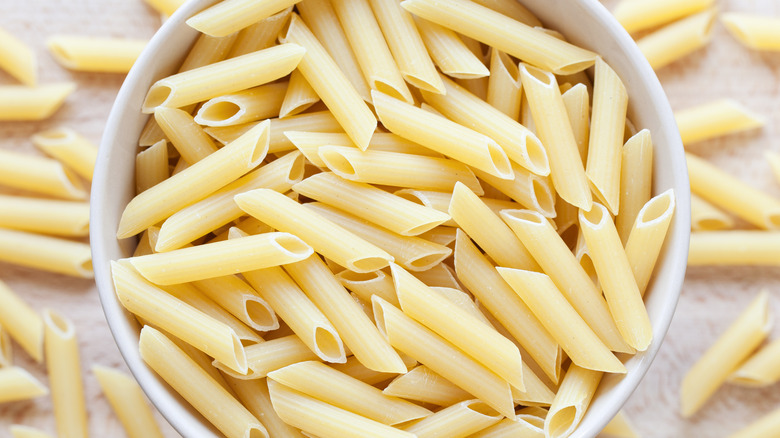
(711, 298)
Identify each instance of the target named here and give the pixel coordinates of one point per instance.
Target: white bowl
(584, 22)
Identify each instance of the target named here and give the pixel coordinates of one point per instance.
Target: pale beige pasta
(260, 35)
(734, 248)
(731, 194)
(370, 203)
(178, 318)
(243, 106)
(19, 320)
(353, 368)
(21, 103)
(577, 102)
(764, 426)
(464, 302)
(309, 144)
(707, 217)
(423, 385)
(636, 180)
(439, 275)
(519, 144)
(413, 253)
(442, 135)
(230, 16)
(457, 421)
(184, 188)
(414, 339)
(128, 402)
(223, 77)
(527, 188)
(64, 366)
(240, 300)
(504, 86)
(70, 148)
(678, 39)
(724, 356)
(195, 385)
(503, 33)
(325, 420)
(299, 96)
(608, 120)
(207, 50)
(269, 356)
(325, 237)
(218, 209)
(643, 15)
(19, 431)
(151, 166)
(521, 427)
(336, 91)
(715, 119)
(365, 285)
(48, 216)
(571, 401)
(557, 261)
(444, 236)
(46, 253)
(555, 132)
(254, 395)
(18, 384)
(620, 426)
(39, 175)
(754, 31)
(646, 238)
(95, 54)
(18, 59)
(448, 51)
(760, 369)
(511, 9)
(322, 382)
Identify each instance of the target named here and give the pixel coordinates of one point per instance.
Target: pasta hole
(86, 266)
(428, 261)
(561, 421)
(774, 220)
(657, 208)
(546, 78)
(297, 169)
(328, 344)
(544, 197)
(337, 162)
(526, 215)
(359, 277)
(260, 314)
(388, 89)
(499, 159)
(57, 322)
(220, 111)
(534, 421)
(537, 155)
(368, 264)
(596, 215)
(484, 409)
(574, 67)
(587, 265)
(257, 433)
(157, 96)
(711, 224)
(293, 245)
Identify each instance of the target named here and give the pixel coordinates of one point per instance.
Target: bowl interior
(585, 22)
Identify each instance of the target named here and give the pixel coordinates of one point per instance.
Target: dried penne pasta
(504, 86)
(299, 97)
(46, 253)
(92, 54)
(754, 31)
(715, 119)
(575, 393)
(20, 321)
(229, 16)
(18, 384)
(366, 285)
(63, 218)
(18, 59)
(643, 15)
(528, 189)
(760, 369)
(255, 397)
(422, 384)
(636, 177)
(243, 106)
(21, 103)
(706, 217)
(643, 245)
(151, 166)
(40, 175)
(677, 40)
(734, 248)
(240, 300)
(269, 356)
(577, 103)
(449, 52)
(70, 148)
(457, 421)
(127, 399)
(260, 35)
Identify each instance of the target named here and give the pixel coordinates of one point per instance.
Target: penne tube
(464, 302)
(46, 253)
(608, 120)
(260, 35)
(39, 175)
(511, 9)
(353, 368)
(731, 194)
(574, 394)
(439, 275)
(678, 39)
(240, 300)
(127, 400)
(370, 203)
(724, 356)
(218, 209)
(70, 148)
(615, 272)
(178, 318)
(20, 321)
(187, 136)
(528, 189)
(566, 219)
(223, 77)
(519, 144)
(231, 16)
(707, 217)
(557, 261)
(19, 431)
(440, 356)
(325, 420)
(371, 50)
(207, 50)
(714, 119)
(449, 52)
(531, 427)
(243, 106)
(638, 16)
(254, 395)
(151, 134)
(394, 169)
(324, 24)
(18, 384)
(354, 327)
(48, 216)
(444, 236)
(64, 367)
(560, 319)
(336, 91)
(91, 54)
(309, 144)
(442, 135)
(646, 238)
(480, 277)
(325, 237)
(457, 421)
(753, 31)
(18, 59)
(488, 231)
(764, 426)
(269, 356)
(323, 383)
(636, 178)
(504, 86)
(423, 385)
(506, 34)
(734, 248)
(22, 103)
(459, 327)
(406, 45)
(366, 285)
(411, 252)
(299, 312)
(322, 121)
(299, 96)
(151, 166)
(195, 386)
(555, 132)
(182, 189)
(760, 369)
(577, 103)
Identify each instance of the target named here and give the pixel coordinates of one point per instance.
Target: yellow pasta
(715, 119)
(643, 15)
(70, 148)
(64, 367)
(40, 175)
(92, 54)
(255, 397)
(19, 431)
(230, 16)
(299, 97)
(46, 253)
(678, 39)
(127, 399)
(260, 35)
(243, 106)
(457, 421)
(6, 349)
(151, 166)
(165, 7)
(528, 189)
(577, 103)
(760, 369)
(18, 59)
(269, 356)
(64, 218)
(647, 236)
(20, 321)
(21, 103)
(754, 31)
(575, 393)
(504, 86)
(733, 248)
(449, 52)
(422, 384)
(706, 217)
(18, 384)
(241, 301)
(636, 177)
(365, 285)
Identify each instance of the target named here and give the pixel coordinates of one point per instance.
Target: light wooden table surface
(711, 298)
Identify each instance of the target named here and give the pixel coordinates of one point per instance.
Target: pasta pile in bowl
(357, 218)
